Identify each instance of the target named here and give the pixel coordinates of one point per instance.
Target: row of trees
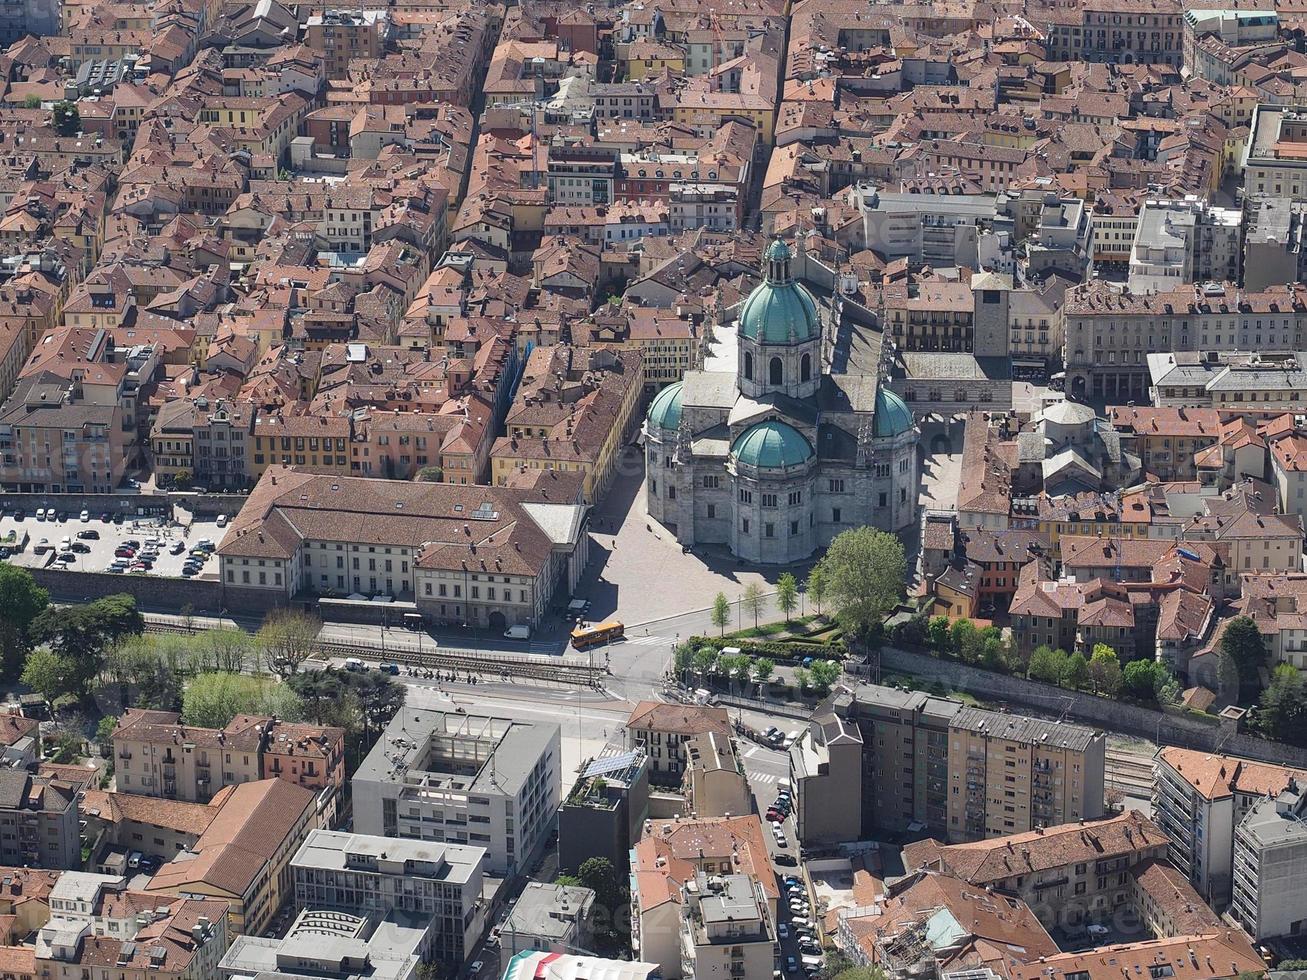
(861, 577)
(709, 663)
(1100, 673)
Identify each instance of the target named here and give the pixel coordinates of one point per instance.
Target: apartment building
(1166, 440)
(1200, 800)
(573, 411)
(156, 755)
(715, 784)
(826, 779)
(674, 852)
(1010, 774)
(343, 35)
(1184, 241)
(96, 923)
(242, 856)
(1274, 252)
(551, 917)
(967, 773)
(458, 778)
(439, 882)
(38, 821)
(1270, 859)
(1069, 874)
(726, 928)
(662, 730)
(1273, 163)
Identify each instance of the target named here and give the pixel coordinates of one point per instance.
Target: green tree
(682, 658)
(939, 635)
(212, 700)
(965, 640)
(46, 672)
(865, 571)
(1227, 676)
(287, 638)
(1048, 665)
(1076, 673)
(824, 675)
(81, 634)
(1143, 679)
(21, 600)
(1242, 643)
(752, 600)
(67, 120)
(1282, 707)
(429, 474)
(1105, 671)
(705, 660)
(32, 102)
(104, 729)
(721, 613)
(599, 875)
(815, 586)
(763, 669)
(787, 594)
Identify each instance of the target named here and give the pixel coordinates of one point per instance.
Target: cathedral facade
(776, 459)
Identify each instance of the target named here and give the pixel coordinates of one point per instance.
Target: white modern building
(441, 886)
(1179, 242)
(1270, 866)
(450, 777)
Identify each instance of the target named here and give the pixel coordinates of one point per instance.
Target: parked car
(42, 546)
(392, 669)
(65, 558)
(81, 548)
(1094, 929)
(177, 547)
(124, 552)
(222, 520)
(90, 534)
(774, 815)
(105, 518)
(85, 516)
(783, 931)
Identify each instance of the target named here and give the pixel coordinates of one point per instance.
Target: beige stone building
(826, 773)
(715, 784)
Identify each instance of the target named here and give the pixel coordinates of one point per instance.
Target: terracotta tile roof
(679, 719)
(1218, 776)
(991, 861)
(1213, 956)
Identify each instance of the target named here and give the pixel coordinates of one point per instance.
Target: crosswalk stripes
(763, 777)
(649, 641)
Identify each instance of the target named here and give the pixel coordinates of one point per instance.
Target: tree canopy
(864, 571)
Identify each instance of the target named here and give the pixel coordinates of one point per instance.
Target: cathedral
(799, 444)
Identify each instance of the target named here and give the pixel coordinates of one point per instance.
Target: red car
(774, 816)
(125, 553)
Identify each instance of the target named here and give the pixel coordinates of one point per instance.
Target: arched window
(775, 370)
(805, 368)
(748, 366)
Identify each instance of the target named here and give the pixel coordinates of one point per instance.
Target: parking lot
(95, 542)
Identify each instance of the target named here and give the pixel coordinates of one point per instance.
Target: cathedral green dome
(779, 311)
(665, 410)
(771, 445)
(893, 417)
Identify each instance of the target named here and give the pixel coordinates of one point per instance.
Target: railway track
(559, 670)
(1132, 774)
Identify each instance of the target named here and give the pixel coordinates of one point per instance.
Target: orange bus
(588, 636)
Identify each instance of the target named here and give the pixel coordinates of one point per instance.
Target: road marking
(763, 777)
(647, 641)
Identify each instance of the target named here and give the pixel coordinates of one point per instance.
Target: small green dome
(893, 417)
(778, 251)
(771, 445)
(780, 313)
(665, 410)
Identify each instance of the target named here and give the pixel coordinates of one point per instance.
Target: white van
(517, 633)
(353, 663)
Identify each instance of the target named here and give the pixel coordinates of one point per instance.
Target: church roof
(893, 417)
(665, 410)
(772, 445)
